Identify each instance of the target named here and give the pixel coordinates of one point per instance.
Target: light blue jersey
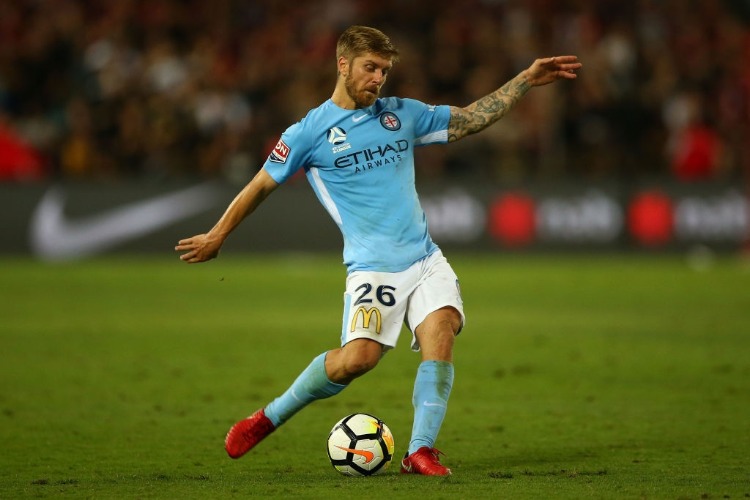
(360, 164)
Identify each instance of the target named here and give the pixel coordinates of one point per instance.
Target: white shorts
(377, 304)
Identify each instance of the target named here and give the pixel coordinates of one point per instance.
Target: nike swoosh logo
(355, 119)
(55, 237)
(368, 455)
(434, 404)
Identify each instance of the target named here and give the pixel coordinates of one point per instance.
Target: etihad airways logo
(373, 157)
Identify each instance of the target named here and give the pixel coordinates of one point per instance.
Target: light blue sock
(312, 384)
(432, 388)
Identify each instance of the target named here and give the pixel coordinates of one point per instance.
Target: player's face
(367, 74)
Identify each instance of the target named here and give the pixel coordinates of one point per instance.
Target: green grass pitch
(576, 377)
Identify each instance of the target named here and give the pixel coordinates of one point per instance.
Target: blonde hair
(358, 40)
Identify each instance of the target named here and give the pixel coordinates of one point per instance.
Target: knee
(358, 365)
(436, 334)
(353, 360)
(448, 321)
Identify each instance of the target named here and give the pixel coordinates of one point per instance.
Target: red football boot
(425, 461)
(245, 434)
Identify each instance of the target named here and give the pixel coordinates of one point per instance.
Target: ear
(343, 66)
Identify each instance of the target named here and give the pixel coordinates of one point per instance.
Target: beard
(362, 98)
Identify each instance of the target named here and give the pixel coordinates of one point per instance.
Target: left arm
(481, 114)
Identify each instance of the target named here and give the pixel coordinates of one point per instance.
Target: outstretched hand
(199, 248)
(550, 69)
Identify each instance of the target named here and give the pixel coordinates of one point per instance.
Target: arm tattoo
(487, 110)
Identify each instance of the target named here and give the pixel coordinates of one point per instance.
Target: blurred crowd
(159, 89)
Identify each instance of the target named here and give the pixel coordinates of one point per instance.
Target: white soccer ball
(360, 445)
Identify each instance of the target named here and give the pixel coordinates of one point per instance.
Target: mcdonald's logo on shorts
(367, 315)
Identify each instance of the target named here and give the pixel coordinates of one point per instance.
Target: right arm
(203, 247)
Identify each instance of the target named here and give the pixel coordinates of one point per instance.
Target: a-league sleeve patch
(280, 152)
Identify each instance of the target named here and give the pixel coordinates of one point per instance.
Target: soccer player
(357, 150)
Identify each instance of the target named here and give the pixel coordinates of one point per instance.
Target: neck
(341, 98)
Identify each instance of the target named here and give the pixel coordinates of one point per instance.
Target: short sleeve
(291, 153)
(430, 122)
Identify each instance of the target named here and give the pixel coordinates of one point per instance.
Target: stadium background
(107, 104)
(598, 232)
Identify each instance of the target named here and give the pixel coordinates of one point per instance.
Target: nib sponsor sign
(593, 218)
(78, 221)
